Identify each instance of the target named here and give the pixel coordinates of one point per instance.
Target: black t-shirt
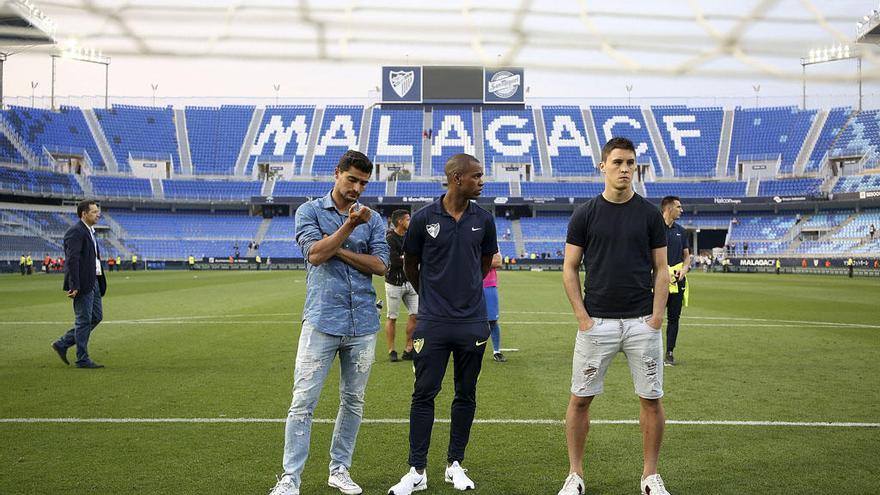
(617, 241)
(395, 275)
(676, 243)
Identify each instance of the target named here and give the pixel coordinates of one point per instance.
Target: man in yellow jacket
(679, 260)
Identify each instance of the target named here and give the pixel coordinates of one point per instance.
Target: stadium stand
(428, 189)
(790, 187)
(339, 131)
(568, 146)
(309, 189)
(121, 187)
(142, 132)
(561, 189)
(157, 234)
(772, 132)
(283, 136)
(211, 190)
(856, 183)
(691, 137)
(837, 118)
(216, 136)
(509, 137)
(8, 153)
(714, 189)
(861, 137)
(64, 131)
(761, 228)
(39, 181)
(628, 122)
(396, 135)
(452, 133)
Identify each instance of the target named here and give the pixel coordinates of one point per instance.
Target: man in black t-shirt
(621, 240)
(679, 259)
(398, 289)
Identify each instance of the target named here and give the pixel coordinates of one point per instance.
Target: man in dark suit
(84, 282)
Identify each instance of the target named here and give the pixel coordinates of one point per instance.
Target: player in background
(490, 292)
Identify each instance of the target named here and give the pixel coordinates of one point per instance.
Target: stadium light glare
(71, 50)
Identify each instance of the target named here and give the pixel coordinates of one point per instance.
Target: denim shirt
(340, 300)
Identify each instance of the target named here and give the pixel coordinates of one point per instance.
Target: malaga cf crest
(433, 229)
(401, 81)
(418, 344)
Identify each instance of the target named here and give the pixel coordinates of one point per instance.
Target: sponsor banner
(869, 194)
(804, 262)
(504, 85)
(402, 84)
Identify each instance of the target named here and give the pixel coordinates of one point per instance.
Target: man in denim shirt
(344, 245)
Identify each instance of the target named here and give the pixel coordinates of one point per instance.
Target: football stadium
(200, 192)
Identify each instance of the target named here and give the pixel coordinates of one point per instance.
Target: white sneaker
(285, 486)
(455, 475)
(340, 479)
(411, 482)
(653, 485)
(574, 485)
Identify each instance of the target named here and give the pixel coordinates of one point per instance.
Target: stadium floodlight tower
(73, 51)
(826, 55)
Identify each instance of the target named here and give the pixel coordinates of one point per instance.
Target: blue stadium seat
(283, 136)
(790, 187)
(39, 181)
(452, 133)
(143, 132)
(568, 145)
(121, 187)
(628, 122)
(340, 131)
(837, 118)
(509, 136)
(216, 136)
(64, 131)
(211, 190)
(396, 134)
(691, 137)
(735, 189)
(561, 189)
(771, 131)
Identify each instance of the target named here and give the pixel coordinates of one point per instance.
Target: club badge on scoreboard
(402, 84)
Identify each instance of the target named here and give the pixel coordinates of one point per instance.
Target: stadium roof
(22, 24)
(710, 38)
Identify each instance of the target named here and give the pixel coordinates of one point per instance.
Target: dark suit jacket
(79, 268)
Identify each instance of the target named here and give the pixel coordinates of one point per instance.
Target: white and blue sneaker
(455, 474)
(285, 486)
(411, 482)
(341, 480)
(574, 485)
(653, 485)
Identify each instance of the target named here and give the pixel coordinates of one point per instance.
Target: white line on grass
(216, 321)
(395, 421)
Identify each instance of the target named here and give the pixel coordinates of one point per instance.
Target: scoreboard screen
(452, 84)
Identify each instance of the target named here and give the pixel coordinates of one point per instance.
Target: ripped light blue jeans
(314, 357)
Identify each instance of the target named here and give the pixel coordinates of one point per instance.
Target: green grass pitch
(222, 345)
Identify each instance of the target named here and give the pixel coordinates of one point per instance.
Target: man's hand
(359, 214)
(679, 275)
(655, 322)
(585, 325)
(72, 293)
